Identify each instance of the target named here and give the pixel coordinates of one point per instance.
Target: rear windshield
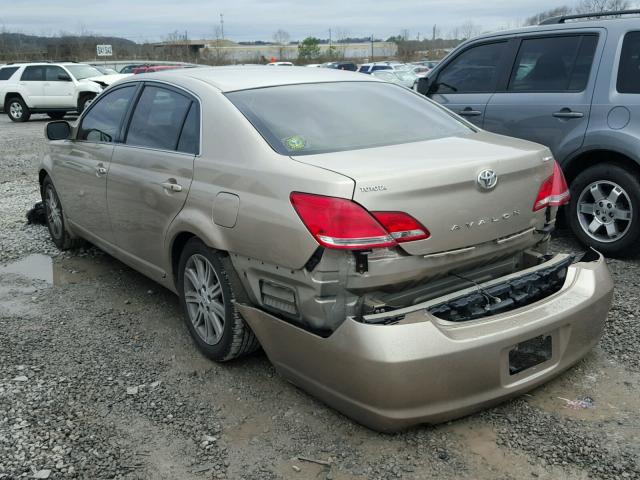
(316, 118)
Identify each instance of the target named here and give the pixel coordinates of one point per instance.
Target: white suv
(51, 88)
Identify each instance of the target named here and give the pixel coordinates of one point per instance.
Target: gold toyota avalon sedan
(389, 257)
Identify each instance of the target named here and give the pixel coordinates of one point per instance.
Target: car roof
(568, 25)
(232, 78)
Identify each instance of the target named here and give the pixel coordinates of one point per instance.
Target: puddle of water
(60, 272)
(35, 267)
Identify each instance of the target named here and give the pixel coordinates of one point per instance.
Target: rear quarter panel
(235, 159)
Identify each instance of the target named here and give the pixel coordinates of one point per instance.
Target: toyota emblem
(487, 179)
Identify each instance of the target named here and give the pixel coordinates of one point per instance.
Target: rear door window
(629, 70)
(55, 74)
(34, 73)
(158, 119)
(473, 71)
(190, 136)
(102, 122)
(553, 64)
(7, 72)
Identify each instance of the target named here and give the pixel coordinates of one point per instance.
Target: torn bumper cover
(424, 369)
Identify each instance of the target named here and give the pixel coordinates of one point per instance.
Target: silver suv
(573, 84)
(388, 256)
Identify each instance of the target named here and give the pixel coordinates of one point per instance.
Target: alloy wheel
(604, 211)
(15, 109)
(204, 299)
(54, 212)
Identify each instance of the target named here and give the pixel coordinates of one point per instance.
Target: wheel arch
(42, 174)
(9, 95)
(176, 247)
(583, 160)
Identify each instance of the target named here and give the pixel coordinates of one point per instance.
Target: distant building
(237, 53)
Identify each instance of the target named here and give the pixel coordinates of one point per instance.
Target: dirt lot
(99, 379)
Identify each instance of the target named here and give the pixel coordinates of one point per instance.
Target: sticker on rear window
(296, 142)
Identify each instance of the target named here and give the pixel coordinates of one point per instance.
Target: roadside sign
(104, 50)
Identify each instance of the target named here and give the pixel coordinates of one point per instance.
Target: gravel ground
(99, 379)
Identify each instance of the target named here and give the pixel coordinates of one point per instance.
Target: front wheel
(208, 288)
(84, 101)
(604, 212)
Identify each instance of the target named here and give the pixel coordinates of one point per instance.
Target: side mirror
(425, 85)
(58, 130)
(64, 77)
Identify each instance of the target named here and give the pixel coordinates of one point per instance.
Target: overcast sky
(245, 20)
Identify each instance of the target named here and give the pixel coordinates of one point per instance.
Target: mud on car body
(398, 268)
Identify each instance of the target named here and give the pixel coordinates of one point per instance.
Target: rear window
(629, 70)
(5, 73)
(554, 64)
(331, 117)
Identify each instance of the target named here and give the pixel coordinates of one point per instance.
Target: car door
(58, 88)
(81, 165)
(548, 96)
(151, 172)
(466, 83)
(32, 82)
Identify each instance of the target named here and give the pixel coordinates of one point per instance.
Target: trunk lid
(436, 182)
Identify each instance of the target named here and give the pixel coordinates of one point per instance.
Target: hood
(106, 80)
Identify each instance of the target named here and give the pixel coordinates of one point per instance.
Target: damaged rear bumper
(424, 369)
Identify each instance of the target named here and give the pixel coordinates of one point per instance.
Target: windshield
(316, 118)
(80, 72)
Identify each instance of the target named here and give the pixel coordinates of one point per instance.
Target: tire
(55, 218)
(84, 100)
(17, 110)
(604, 212)
(204, 309)
(56, 115)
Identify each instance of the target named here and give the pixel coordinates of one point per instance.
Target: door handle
(469, 112)
(100, 170)
(171, 186)
(568, 113)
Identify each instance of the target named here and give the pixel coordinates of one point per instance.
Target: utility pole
(222, 25)
(372, 47)
(434, 33)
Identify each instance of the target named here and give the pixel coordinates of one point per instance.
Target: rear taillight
(341, 223)
(553, 191)
(402, 226)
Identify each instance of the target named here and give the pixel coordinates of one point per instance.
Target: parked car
(572, 84)
(279, 64)
(430, 64)
(388, 256)
(52, 88)
(130, 68)
(155, 68)
(106, 70)
(406, 78)
(352, 67)
(314, 65)
(420, 71)
(373, 67)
